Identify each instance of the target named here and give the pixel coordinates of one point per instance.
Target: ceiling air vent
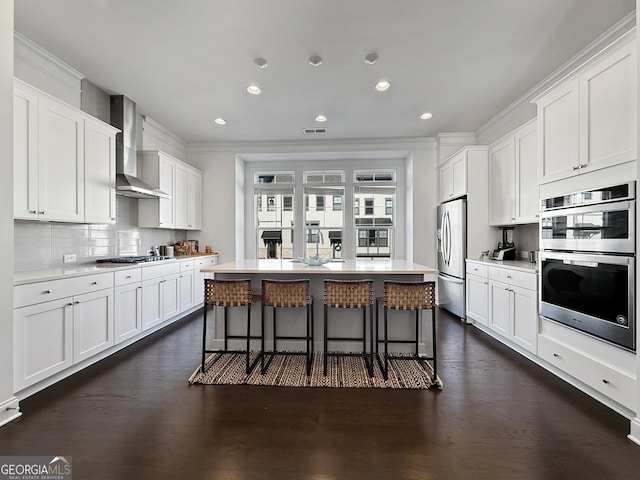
(314, 130)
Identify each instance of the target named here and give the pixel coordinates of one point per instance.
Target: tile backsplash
(42, 245)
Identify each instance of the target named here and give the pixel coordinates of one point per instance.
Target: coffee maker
(506, 248)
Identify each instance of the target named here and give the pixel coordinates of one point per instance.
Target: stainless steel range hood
(123, 116)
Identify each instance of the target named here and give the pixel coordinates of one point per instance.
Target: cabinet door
(151, 303)
(527, 192)
(170, 296)
(128, 311)
(100, 172)
(181, 196)
(167, 173)
(502, 175)
(92, 324)
(608, 111)
(25, 155)
(445, 182)
(524, 326)
(499, 307)
(558, 133)
(42, 341)
(187, 293)
(477, 298)
(194, 213)
(460, 175)
(60, 162)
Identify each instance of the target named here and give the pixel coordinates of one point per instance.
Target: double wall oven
(587, 262)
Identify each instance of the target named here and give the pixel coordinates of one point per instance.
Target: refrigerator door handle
(446, 247)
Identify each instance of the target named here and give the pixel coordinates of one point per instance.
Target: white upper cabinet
(100, 172)
(184, 183)
(513, 189)
(158, 170)
(452, 177)
(589, 121)
(64, 163)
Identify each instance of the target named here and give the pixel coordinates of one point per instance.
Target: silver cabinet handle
(33, 211)
(94, 283)
(77, 302)
(47, 291)
(138, 288)
(573, 169)
(604, 380)
(128, 276)
(41, 212)
(556, 355)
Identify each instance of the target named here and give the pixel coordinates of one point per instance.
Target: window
(334, 213)
(368, 206)
(271, 203)
(388, 206)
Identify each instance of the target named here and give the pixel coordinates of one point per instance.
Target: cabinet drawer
(514, 277)
(204, 262)
(477, 269)
(33, 293)
(155, 271)
(609, 381)
(186, 265)
(124, 277)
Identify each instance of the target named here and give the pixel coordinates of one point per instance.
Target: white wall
(7, 400)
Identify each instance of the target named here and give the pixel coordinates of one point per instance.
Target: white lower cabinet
(58, 323)
(477, 293)
(92, 324)
(198, 277)
(186, 285)
(42, 341)
(513, 311)
(160, 293)
(128, 304)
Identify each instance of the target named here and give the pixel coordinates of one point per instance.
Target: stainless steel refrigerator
(452, 251)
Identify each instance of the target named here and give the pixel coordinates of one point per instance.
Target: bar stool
(230, 293)
(287, 294)
(349, 294)
(415, 296)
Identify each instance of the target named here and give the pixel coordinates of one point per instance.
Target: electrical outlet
(70, 258)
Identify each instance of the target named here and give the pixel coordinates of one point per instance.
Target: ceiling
(186, 62)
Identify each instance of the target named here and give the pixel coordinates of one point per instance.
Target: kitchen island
(291, 321)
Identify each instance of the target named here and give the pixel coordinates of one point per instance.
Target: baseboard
(9, 410)
(634, 434)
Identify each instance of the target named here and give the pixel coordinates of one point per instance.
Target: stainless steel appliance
(587, 262)
(452, 251)
(506, 248)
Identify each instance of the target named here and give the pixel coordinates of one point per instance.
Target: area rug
(290, 371)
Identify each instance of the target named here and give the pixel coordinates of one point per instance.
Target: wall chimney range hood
(123, 116)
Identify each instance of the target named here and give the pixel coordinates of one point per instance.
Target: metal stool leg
(326, 342)
(204, 336)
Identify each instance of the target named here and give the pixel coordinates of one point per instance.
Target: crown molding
(32, 53)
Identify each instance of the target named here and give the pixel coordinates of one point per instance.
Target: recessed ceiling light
(321, 118)
(315, 60)
(426, 116)
(382, 86)
(371, 58)
(220, 121)
(260, 62)
(254, 90)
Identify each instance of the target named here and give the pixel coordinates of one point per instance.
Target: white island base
(343, 322)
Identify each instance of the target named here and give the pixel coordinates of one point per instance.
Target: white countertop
(77, 270)
(523, 265)
(347, 267)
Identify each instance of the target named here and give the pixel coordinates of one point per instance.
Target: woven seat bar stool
(230, 293)
(350, 294)
(411, 296)
(287, 294)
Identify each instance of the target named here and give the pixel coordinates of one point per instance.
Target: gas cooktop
(136, 259)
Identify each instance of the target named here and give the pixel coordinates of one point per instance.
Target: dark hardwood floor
(133, 416)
